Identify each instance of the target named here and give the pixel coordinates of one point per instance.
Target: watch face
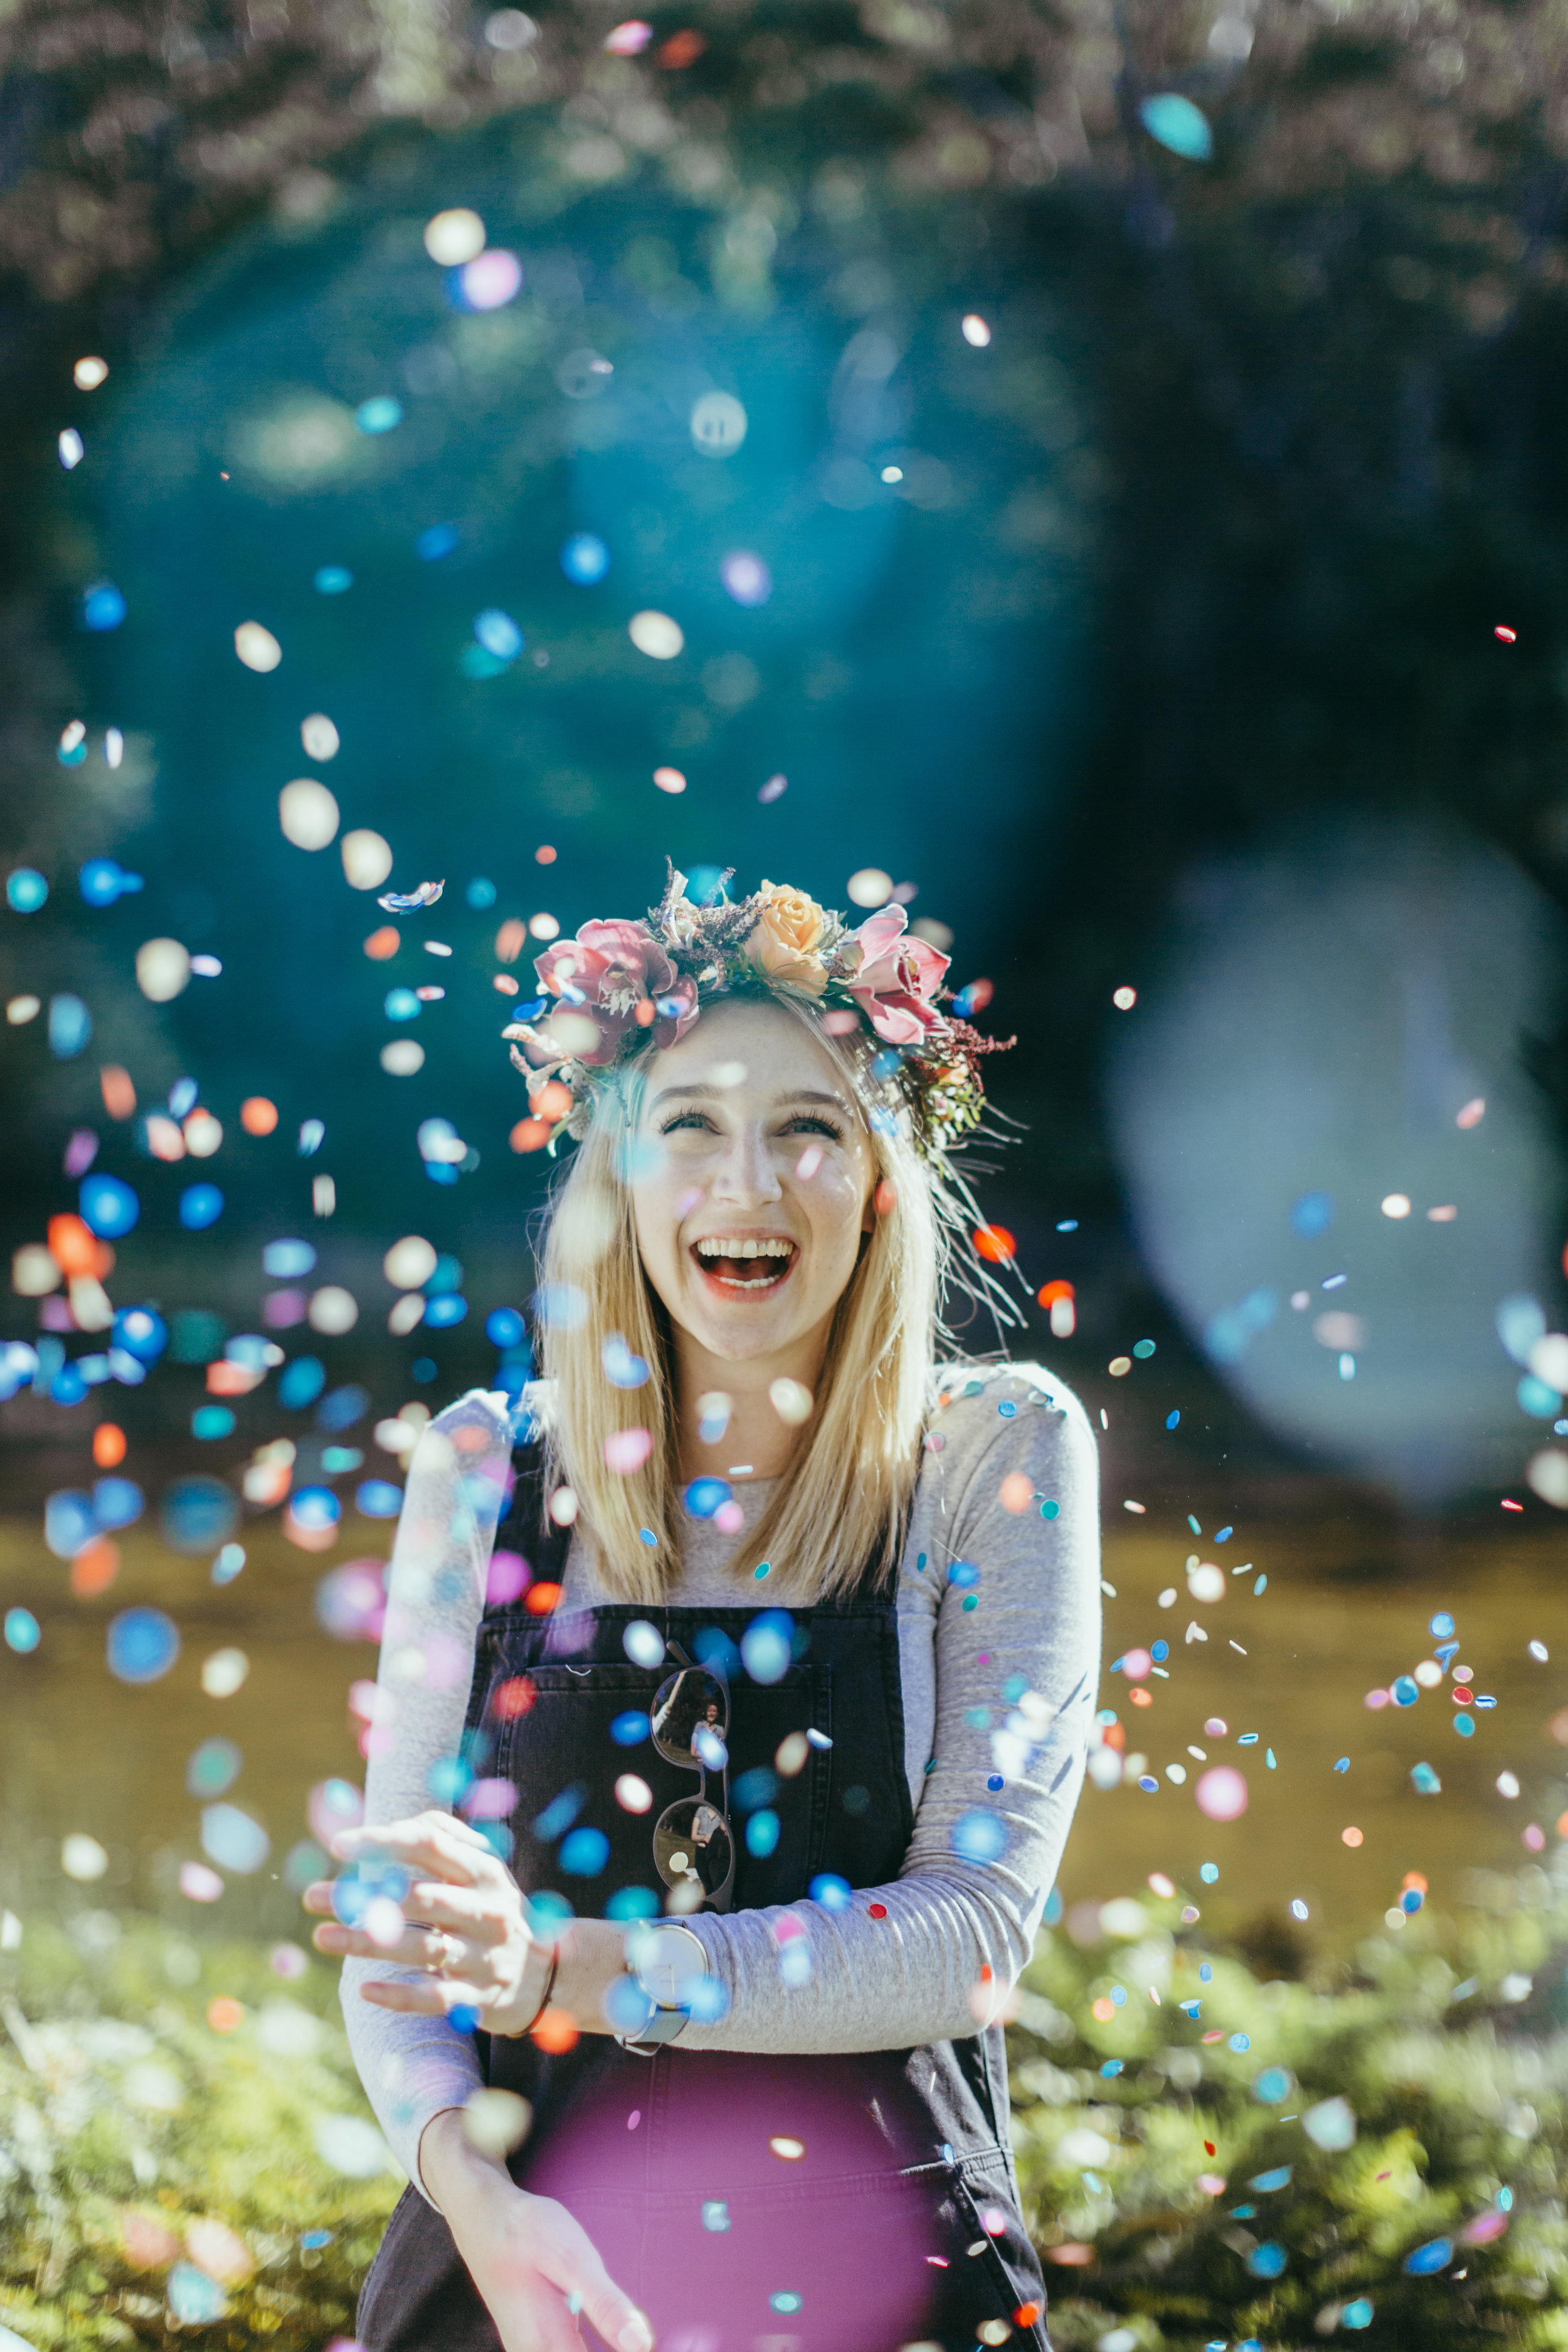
(670, 1961)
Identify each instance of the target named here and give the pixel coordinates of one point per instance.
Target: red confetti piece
(877, 1910)
(1507, 635)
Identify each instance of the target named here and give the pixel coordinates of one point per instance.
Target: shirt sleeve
(981, 1861)
(412, 2067)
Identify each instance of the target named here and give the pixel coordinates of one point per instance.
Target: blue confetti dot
(1442, 1625)
(22, 1632)
(480, 893)
(1357, 2314)
(1150, 1786)
(1312, 1214)
(833, 1894)
(1173, 1421)
(1343, 1765)
(647, 1535)
(381, 414)
(1272, 2087)
(1465, 1724)
(435, 541)
(142, 1645)
(1269, 2260)
(211, 1420)
(1407, 1690)
(785, 2301)
(632, 1902)
(1225, 1535)
(26, 889)
(103, 608)
(102, 880)
(446, 1308)
(198, 1514)
(1424, 2261)
(110, 1207)
(762, 1832)
(979, 1836)
(331, 580)
(200, 1205)
(378, 1498)
(401, 1004)
(302, 1383)
(504, 1326)
(315, 1508)
(584, 559)
(629, 1729)
(141, 1332)
(1240, 2041)
(704, 1497)
(1049, 1509)
(499, 633)
(585, 1852)
(1174, 122)
(70, 1027)
(995, 1782)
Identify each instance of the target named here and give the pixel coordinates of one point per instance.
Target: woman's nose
(747, 1177)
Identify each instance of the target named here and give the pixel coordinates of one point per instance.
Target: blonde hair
(845, 1498)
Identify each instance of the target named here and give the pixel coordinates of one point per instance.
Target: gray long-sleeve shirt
(1005, 1690)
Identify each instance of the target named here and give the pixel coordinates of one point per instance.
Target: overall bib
(837, 2203)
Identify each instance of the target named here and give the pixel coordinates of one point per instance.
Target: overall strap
(526, 1527)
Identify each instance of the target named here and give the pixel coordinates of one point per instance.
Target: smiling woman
(752, 1243)
(731, 1269)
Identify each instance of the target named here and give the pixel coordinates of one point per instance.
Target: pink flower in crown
(605, 972)
(893, 977)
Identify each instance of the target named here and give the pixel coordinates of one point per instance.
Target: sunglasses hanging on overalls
(693, 1843)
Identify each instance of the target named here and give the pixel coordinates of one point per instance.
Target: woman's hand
(464, 1921)
(534, 2266)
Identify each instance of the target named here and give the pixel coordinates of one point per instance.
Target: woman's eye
(807, 1123)
(694, 1120)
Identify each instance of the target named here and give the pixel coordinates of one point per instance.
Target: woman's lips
(735, 1276)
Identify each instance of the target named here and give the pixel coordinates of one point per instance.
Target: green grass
(127, 2121)
(136, 2120)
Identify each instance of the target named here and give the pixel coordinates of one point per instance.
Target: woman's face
(749, 1224)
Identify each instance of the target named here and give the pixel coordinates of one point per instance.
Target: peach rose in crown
(893, 977)
(786, 940)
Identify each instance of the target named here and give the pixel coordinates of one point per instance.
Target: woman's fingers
(423, 1996)
(436, 1843)
(484, 1913)
(416, 1947)
(573, 2264)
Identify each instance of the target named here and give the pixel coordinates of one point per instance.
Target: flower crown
(619, 981)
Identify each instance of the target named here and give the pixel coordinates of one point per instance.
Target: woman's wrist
(592, 1955)
(451, 2169)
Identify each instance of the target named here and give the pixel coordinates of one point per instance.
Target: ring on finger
(442, 1952)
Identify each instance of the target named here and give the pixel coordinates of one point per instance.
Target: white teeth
(714, 1248)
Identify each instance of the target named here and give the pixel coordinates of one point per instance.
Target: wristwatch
(664, 1962)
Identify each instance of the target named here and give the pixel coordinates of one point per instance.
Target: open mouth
(752, 1265)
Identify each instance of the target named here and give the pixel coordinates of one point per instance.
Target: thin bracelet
(549, 1989)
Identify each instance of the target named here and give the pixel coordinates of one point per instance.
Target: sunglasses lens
(691, 1842)
(690, 1719)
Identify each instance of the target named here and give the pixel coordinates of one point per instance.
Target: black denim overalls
(900, 2223)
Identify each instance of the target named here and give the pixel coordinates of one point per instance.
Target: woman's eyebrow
(785, 1094)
